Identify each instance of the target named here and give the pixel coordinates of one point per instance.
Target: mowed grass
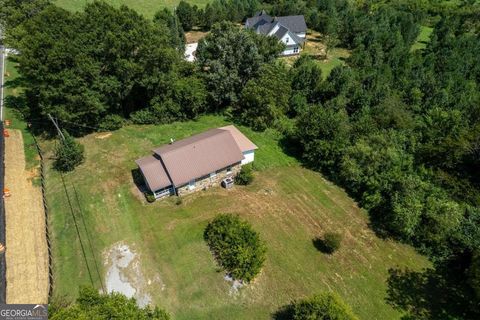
(148, 8)
(287, 204)
(423, 38)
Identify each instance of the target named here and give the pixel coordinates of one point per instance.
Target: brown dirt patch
(103, 136)
(26, 253)
(194, 36)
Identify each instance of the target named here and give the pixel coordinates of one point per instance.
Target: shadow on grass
(321, 246)
(138, 180)
(284, 313)
(440, 293)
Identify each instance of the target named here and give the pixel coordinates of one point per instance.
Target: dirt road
(26, 245)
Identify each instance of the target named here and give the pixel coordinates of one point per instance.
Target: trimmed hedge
(236, 246)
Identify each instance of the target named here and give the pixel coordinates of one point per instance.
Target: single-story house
(291, 30)
(195, 163)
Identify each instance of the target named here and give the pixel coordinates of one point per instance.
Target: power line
(78, 231)
(88, 236)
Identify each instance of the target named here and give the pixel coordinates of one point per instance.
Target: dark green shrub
(112, 122)
(245, 176)
(92, 304)
(322, 306)
(236, 246)
(330, 242)
(150, 197)
(68, 154)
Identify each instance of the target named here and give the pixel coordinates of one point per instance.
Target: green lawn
(145, 7)
(336, 57)
(423, 38)
(287, 204)
(12, 94)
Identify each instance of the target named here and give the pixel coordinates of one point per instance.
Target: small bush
(112, 122)
(178, 200)
(245, 176)
(236, 246)
(150, 197)
(68, 154)
(322, 306)
(330, 243)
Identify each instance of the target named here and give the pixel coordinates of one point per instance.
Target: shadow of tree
(321, 246)
(440, 293)
(284, 313)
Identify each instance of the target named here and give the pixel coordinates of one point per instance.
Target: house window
(286, 39)
(191, 184)
(295, 50)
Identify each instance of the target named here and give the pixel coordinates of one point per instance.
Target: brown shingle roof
(199, 155)
(242, 141)
(153, 172)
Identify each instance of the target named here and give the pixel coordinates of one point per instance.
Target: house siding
(207, 181)
(249, 156)
(290, 51)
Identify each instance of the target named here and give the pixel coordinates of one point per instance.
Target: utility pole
(60, 133)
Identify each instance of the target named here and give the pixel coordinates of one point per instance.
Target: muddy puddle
(124, 274)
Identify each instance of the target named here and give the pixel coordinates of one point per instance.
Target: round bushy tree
(68, 154)
(236, 246)
(323, 306)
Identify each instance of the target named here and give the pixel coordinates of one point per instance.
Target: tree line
(398, 128)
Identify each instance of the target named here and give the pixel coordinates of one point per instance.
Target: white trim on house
(249, 156)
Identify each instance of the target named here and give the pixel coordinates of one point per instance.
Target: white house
(291, 30)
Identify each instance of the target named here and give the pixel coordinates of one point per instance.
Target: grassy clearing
(145, 7)
(423, 38)
(13, 91)
(315, 47)
(288, 205)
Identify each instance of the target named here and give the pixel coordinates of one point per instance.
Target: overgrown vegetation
(236, 246)
(91, 304)
(245, 176)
